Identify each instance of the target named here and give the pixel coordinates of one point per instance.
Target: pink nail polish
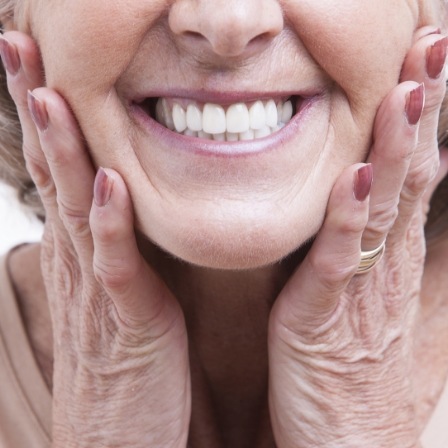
(362, 182)
(102, 189)
(414, 104)
(38, 112)
(10, 56)
(436, 57)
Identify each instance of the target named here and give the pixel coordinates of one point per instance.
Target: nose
(228, 28)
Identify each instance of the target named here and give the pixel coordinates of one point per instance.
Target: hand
(121, 368)
(340, 344)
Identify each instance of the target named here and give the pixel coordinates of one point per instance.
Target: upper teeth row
(212, 120)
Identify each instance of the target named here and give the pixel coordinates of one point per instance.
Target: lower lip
(227, 149)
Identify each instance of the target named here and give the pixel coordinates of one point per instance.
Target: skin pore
(213, 211)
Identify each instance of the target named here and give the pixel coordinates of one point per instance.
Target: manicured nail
(38, 112)
(436, 58)
(102, 190)
(363, 182)
(414, 104)
(10, 56)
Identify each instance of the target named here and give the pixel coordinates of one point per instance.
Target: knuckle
(37, 167)
(420, 176)
(67, 277)
(113, 274)
(382, 218)
(351, 225)
(76, 223)
(333, 271)
(106, 230)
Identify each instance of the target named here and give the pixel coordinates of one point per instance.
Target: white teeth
(219, 137)
(286, 112)
(257, 115)
(202, 134)
(239, 122)
(279, 110)
(237, 117)
(164, 115)
(271, 113)
(263, 132)
(232, 136)
(190, 133)
(248, 135)
(213, 119)
(179, 118)
(194, 118)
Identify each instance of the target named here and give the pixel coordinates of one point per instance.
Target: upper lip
(224, 97)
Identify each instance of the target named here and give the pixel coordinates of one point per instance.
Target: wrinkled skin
(340, 345)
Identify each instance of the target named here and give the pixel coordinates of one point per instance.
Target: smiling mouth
(240, 121)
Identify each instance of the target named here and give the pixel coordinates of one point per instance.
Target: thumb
(313, 292)
(141, 298)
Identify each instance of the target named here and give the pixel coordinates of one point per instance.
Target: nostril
(194, 35)
(261, 38)
(260, 41)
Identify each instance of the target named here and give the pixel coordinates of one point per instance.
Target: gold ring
(370, 258)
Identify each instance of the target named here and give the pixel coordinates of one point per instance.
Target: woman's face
(220, 203)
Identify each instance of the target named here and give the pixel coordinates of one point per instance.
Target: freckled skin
(214, 211)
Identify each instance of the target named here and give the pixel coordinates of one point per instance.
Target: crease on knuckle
(115, 276)
(106, 230)
(37, 167)
(67, 275)
(74, 220)
(333, 271)
(420, 177)
(382, 218)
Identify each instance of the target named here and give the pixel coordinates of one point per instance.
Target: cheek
(92, 50)
(360, 44)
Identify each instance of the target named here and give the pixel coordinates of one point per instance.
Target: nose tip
(228, 28)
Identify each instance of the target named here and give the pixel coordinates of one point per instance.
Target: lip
(223, 98)
(226, 149)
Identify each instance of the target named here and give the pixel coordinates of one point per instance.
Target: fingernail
(363, 182)
(38, 112)
(436, 57)
(10, 56)
(102, 190)
(414, 104)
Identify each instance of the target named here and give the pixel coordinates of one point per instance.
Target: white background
(16, 225)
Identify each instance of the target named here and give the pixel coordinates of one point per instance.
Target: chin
(238, 245)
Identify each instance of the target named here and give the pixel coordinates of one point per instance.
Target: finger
(442, 172)
(395, 139)
(313, 292)
(70, 167)
(23, 67)
(435, 197)
(139, 295)
(424, 63)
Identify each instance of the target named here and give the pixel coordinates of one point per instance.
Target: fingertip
(362, 182)
(111, 214)
(102, 188)
(10, 56)
(109, 186)
(38, 111)
(28, 55)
